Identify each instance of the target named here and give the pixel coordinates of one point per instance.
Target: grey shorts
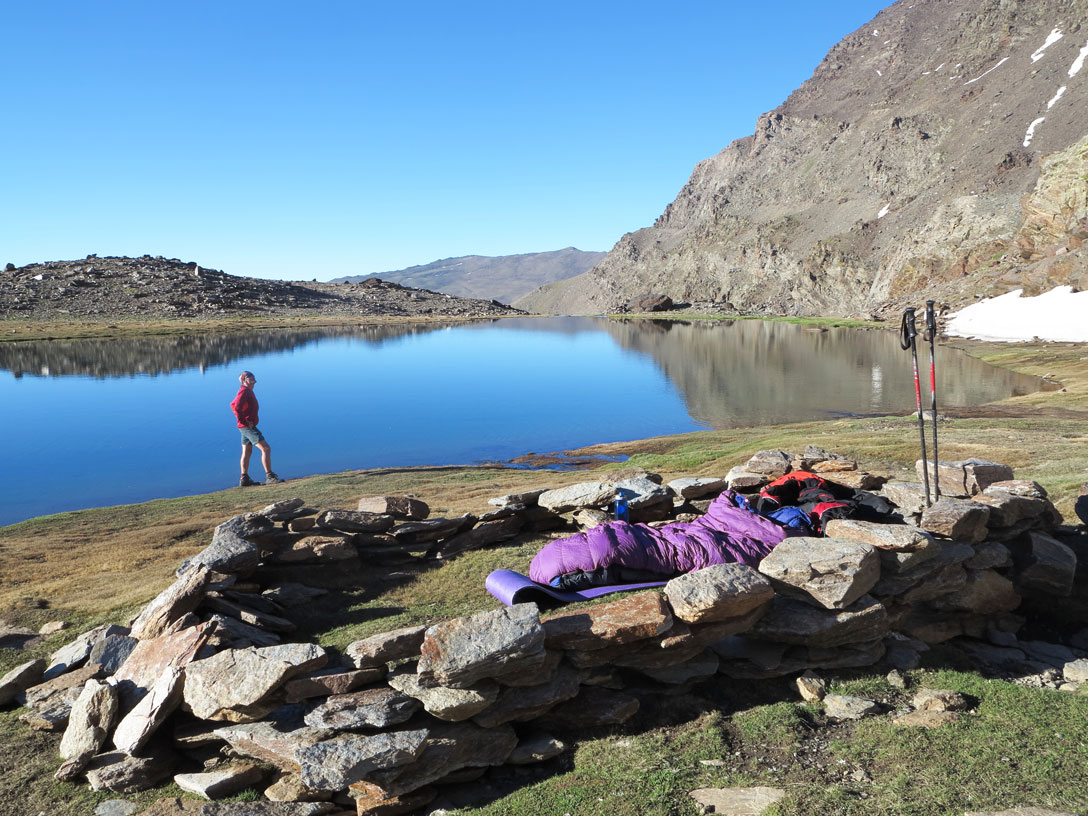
(251, 436)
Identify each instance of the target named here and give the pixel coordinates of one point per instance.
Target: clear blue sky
(312, 140)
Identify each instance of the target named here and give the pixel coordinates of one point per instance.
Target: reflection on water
(98, 422)
(161, 355)
(754, 372)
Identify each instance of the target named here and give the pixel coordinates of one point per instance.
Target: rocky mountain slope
(940, 151)
(504, 278)
(157, 287)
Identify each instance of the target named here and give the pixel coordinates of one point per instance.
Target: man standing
(245, 409)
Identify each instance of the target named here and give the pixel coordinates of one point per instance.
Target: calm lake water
(88, 423)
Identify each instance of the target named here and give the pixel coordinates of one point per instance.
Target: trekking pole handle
(907, 331)
(931, 322)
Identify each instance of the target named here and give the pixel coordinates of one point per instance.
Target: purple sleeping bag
(725, 534)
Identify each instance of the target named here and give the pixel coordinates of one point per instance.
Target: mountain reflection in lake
(98, 422)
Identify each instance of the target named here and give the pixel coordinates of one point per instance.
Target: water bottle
(621, 509)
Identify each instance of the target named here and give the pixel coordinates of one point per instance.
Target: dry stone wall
(207, 687)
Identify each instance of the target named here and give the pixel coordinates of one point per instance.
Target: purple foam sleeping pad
(512, 587)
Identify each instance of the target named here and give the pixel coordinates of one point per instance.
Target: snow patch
(1078, 63)
(1057, 96)
(1031, 130)
(980, 76)
(883, 210)
(1056, 315)
(1051, 38)
(879, 74)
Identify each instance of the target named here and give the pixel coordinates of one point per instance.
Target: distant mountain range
(940, 151)
(504, 278)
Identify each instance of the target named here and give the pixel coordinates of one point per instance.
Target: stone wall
(207, 670)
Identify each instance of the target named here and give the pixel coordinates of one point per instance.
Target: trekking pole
(931, 336)
(907, 335)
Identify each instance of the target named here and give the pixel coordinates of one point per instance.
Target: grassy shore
(1023, 746)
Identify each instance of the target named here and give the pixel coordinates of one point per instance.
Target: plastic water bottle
(621, 509)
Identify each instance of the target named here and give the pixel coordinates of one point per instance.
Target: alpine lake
(91, 423)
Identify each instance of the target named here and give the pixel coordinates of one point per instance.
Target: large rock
(118, 772)
(744, 480)
(267, 809)
(717, 593)
(1045, 565)
(958, 519)
(450, 748)
(832, 572)
(162, 615)
(482, 535)
(145, 718)
(93, 715)
(334, 764)
(111, 652)
(593, 708)
(355, 521)
(464, 650)
(909, 497)
(274, 742)
(984, 592)
(372, 708)
(435, 529)
(20, 679)
(236, 684)
(583, 494)
(792, 621)
(151, 658)
(76, 653)
(892, 537)
(737, 801)
(696, 487)
(964, 478)
(638, 616)
(642, 492)
(329, 681)
(769, 463)
(230, 552)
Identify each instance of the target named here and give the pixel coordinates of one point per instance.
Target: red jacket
(245, 407)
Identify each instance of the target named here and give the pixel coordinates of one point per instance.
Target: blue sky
(299, 141)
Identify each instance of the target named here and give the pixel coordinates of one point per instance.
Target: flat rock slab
(145, 718)
(76, 653)
(462, 651)
(267, 808)
(717, 593)
(355, 521)
(583, 494)
(737, 801)
(329, 682)
(696, 487)
(233, 685)
(1021, 811)
(120, 773)
(334, 764)
(939, 700)
(639, 616)
(93, 715)
(150, 658)
(372, 708)
(926, 718)
(220, 782)
(832, 572)
(20, 679)
(274, 743)
(378, 650)
(528, 703)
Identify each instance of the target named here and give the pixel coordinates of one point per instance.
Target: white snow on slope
(883, 210)
(980, 76)
(1031, 130)
(1057, 96)
(1056, 315)
(1051, 38)
(1078, 63)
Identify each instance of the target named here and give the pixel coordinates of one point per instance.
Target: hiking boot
(245, 481)
(272, 478)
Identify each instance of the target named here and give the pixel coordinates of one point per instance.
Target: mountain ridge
(931, 154)
(502, 277)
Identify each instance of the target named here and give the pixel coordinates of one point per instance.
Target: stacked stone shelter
(206, 687)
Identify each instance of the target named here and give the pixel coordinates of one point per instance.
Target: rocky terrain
(939, 151)
(504, 278)
(114, 288)
(207, 686)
